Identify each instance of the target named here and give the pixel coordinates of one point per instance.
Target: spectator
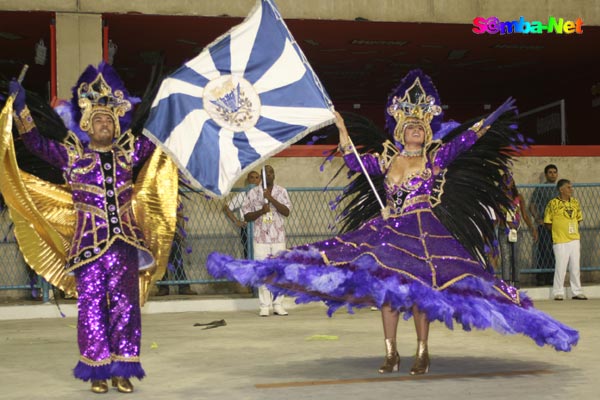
(507, 230)
(544, 256)
(562, 217)
(266, 205)
(233, 209)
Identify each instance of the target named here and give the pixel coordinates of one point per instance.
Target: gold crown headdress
(98, 97)
(414, 107)
(99, 90)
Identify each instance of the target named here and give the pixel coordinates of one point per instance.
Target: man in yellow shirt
(562, 217)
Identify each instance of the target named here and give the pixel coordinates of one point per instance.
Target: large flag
(245, 97)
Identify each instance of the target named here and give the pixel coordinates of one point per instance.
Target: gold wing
(155, 209)
(42, 213)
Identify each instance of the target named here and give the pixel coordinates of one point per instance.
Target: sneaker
(279, 310)
(559, 297)
(579, 297)
(264, 312)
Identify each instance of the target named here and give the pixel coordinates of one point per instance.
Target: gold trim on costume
(93, 363)
(24, 121)
(87, 188)
(477, 127)
(98, 212)
(116, 357)
(107, 244)
(387, 155)
(126, 145)
(438, 190)
(92, 158)
(121, 189)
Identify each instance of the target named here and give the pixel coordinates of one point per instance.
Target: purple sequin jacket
(102, 191)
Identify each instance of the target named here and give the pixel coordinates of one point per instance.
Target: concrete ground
(305, 355)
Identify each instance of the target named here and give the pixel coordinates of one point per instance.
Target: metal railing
(311, 219)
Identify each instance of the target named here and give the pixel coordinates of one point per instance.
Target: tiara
(415, 103)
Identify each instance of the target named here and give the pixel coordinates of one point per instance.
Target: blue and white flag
(245, 97)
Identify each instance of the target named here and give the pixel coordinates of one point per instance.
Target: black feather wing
(472, 185)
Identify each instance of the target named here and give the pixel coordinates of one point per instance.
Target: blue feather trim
(87, 372)
(472, 302)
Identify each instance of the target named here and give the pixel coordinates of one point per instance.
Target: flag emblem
(232, 103)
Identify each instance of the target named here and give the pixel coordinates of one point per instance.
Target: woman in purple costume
(107, 249)
(422, 255)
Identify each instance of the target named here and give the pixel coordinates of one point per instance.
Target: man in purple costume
(422, 254)
(108, 249)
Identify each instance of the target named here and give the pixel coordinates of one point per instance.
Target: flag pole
(264, 182)
(20, 79)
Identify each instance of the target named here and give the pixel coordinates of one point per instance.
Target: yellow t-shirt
(564, 217)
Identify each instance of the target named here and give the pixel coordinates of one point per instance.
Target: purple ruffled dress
(408, 259)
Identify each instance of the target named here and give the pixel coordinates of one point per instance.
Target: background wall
(448, 11)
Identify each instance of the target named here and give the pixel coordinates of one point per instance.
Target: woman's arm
(370, 161)
(461, 143)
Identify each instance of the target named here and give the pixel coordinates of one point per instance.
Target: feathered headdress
(100, 90)
(414, 101)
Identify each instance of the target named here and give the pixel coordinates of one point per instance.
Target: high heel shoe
(391, 363)
(123, 385)
(421, 364)
(99, 386)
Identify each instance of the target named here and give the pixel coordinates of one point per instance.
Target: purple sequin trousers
(109, 321)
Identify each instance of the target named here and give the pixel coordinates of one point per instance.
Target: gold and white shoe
(391, 363)
(421, 364)
(99, 386)
(123, 385)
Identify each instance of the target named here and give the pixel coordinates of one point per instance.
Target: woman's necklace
(411, 153)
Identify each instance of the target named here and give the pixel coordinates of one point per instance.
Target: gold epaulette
(126, 143)
(477, 128)
(24, 121)
(387, 155)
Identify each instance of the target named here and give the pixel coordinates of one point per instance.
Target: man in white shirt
(267, 208)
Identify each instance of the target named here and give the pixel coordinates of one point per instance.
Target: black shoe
(579, 297)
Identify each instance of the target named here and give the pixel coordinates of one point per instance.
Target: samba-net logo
(493, 26)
